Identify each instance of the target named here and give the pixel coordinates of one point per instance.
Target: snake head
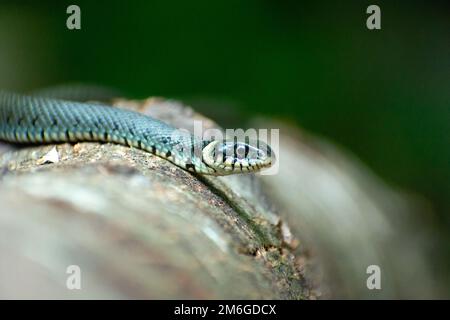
(227, 157)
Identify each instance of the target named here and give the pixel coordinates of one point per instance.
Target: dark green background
(382, 94)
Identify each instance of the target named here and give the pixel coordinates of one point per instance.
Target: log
(136, 226)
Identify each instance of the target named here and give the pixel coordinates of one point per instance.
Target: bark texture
(138, 226)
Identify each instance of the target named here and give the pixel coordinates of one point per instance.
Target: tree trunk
(136, 226)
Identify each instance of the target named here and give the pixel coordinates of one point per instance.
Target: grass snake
(39, 119)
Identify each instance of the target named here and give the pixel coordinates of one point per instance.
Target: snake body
(40, 119)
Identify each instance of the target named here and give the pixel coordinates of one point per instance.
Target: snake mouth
(229, 157)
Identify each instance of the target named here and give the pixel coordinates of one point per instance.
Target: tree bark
(137, 226)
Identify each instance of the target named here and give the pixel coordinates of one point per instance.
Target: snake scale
(39, 119)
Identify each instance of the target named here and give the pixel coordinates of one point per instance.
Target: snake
(39, 118)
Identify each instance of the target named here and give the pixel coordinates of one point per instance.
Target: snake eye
(241, 151)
